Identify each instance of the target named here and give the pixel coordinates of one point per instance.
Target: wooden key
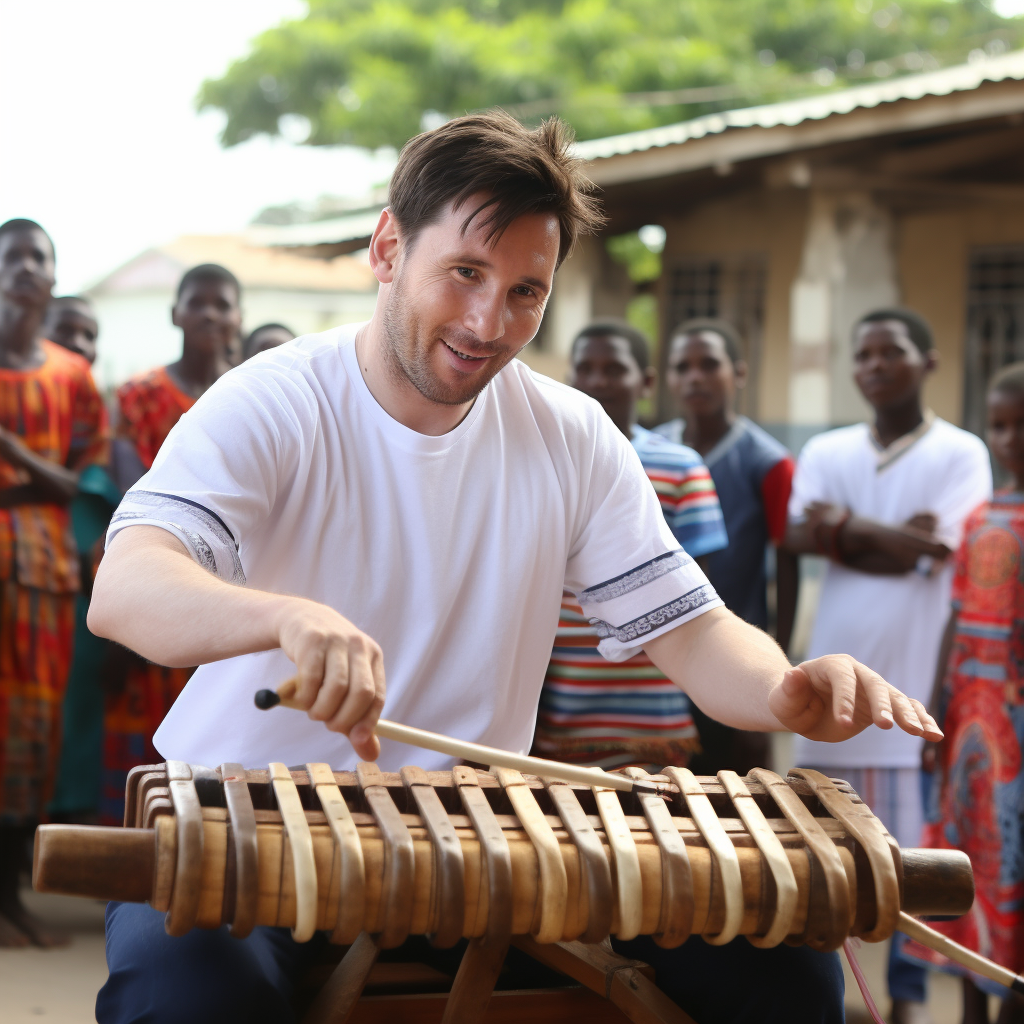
(553, 895)
(628, 884)
(351, 874)
(497, 858)
(824, 851)
(395, 918)
(300, 841)
(448, 896)
(721, 847)
(767, 842)
(858, 820)
(244, 894)
(675, 925)
(597, 874)
(188, 866)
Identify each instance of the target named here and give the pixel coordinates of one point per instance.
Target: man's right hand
(340, 671)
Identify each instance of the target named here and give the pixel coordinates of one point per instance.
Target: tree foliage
(375, 72)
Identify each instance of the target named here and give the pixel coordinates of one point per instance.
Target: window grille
(995, 323)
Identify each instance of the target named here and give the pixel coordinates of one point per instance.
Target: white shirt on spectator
(449, 551)
(892, 624)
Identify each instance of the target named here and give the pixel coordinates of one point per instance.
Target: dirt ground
(60, 985)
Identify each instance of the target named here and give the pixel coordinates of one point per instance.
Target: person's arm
(929, 752)
(48, 481)
(151, 596)
(739, 676)
(861, 543)
(787, 592)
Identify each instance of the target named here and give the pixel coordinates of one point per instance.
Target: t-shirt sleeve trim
(633, 632)
(636, 578)
(200, 529)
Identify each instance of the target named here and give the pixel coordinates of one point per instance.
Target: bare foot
(11, 937)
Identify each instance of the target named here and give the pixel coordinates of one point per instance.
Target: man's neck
(891, 424)
(397, 395)
(197, 371)
(20, 333)
(702, 433)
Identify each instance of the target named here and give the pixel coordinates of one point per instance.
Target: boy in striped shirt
(591, 710)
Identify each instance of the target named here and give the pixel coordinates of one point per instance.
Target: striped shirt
(611, 714)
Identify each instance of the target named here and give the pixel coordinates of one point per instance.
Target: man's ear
(650, 377)
(384, 246)
(174, 315)
(931, 360)
(739, 373)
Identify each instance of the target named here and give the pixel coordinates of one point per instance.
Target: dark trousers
(207, 976)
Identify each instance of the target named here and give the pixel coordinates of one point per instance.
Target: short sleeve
(625, 566)
(216, 477)
(776, 488)
(968, 484)
(90, 441)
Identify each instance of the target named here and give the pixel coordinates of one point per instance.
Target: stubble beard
(407, 356)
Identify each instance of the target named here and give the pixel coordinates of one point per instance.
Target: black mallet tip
(266, 699)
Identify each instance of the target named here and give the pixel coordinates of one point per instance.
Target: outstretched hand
(836, 697)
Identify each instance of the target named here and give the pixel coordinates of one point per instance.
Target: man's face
(701, 376)
(73, 326)
(603, 366)
(207, 313)
(888, 367)
(1005, 432)
(459, 308)
(27, 269)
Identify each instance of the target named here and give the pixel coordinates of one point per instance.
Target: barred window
(995, 323)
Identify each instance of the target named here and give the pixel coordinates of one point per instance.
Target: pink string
(862, 982)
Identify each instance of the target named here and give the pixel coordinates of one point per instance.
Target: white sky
(100, 141)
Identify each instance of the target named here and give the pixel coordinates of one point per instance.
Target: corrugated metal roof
(962, 78)
(354, 225)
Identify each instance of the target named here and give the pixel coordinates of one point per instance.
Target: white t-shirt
(449, 551)
(893, 624)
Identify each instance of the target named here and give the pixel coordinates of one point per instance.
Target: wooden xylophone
(486, 855)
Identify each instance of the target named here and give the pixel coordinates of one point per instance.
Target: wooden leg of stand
(337, 999)
(474, 984)
(629, 984)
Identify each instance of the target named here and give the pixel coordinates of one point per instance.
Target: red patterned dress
(977, 801)
(148, 407)
(58, 413)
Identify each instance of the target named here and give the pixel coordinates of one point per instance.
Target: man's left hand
(835, 697)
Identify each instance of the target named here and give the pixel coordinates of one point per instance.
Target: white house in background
(133, 303)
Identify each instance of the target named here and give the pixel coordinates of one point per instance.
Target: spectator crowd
(924, 579)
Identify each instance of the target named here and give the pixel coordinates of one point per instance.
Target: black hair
(208, 272)
(918, 329)
(24, 224)
(248, 343)
(1009, 380)
(713, 325)
(633, 336)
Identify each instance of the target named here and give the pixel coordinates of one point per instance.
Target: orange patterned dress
(149, 405)
(57, 411)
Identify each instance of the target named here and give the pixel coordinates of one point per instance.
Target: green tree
(375, 72)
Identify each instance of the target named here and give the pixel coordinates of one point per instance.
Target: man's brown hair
(522, 171)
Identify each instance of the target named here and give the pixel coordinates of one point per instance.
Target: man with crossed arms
(404, 494)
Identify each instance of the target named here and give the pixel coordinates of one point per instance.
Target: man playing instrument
(405, 494)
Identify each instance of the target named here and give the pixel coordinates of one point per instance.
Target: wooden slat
(497, 876)
(597, 875)
(301, 843)
(858, 820)
(244, 853)
(628, 885)
(350, 877)
(188, 867)
(474, 983)
(336, 1001)
(448, 897)
(821, 847)
(720, 844)
(675, 924)
(553, 896)
(395, 918)
(785, 897)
